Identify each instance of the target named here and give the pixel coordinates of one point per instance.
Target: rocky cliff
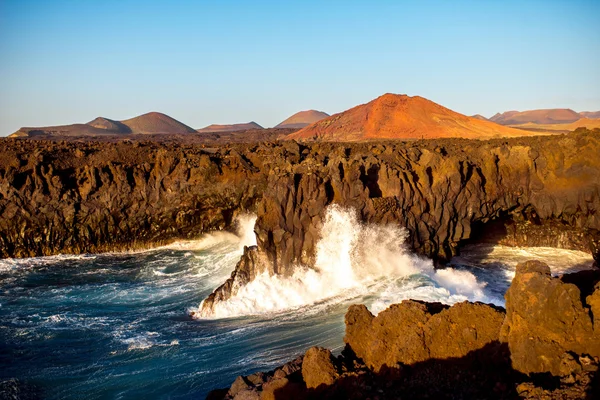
(544, 345)
(72, 197)
(69, 197)
(541, 191)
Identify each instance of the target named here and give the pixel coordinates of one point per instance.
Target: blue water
(117, 325)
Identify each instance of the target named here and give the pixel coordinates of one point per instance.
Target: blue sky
(206, 62)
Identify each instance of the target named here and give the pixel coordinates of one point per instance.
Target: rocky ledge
(545, 345)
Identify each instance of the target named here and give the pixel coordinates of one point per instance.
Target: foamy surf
(352, 260)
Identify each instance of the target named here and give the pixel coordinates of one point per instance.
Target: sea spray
(352, 259)
(243, 236)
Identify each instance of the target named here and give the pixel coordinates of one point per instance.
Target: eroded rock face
(547, 326)
(414, 331)
(74, 197)
(70, 197)
(438, 191)
(547, 189)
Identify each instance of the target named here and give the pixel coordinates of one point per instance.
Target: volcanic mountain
(548, 116)
(590, 114)
(302, 119)
(394, 116)
(479, 116)
(150, 123)
(155, 122)
(231, 127)
(562, 128)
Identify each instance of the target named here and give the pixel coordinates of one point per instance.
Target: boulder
(318, 368)
(547, 327)
(415, 331)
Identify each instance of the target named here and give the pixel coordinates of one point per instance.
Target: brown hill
(150, 123)
(302, 119)
(230, 127)
(393, 116)
(590, 114)
(65, 130)
(109, 125)
(154, 122)
(480, 117)
(548, 116)
(580, 123)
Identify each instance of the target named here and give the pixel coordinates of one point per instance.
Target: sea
(119, 325)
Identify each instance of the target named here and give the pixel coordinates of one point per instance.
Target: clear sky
(221, 61)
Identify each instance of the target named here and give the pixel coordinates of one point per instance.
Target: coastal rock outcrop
(548, 327)
(69, 197)
(73, 197)
(544, 346)
(540, 191)
(414, 331)
(318, 368)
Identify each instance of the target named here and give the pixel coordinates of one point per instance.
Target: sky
(221, 61)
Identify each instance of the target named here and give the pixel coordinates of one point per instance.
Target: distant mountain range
(390, 116)
(549, 116)
(551, 120)
(146, 124)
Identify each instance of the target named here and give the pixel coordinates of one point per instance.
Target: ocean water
(118, 326)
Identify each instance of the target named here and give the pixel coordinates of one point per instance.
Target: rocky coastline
(69, 196)
(89, 196)
(544, 345)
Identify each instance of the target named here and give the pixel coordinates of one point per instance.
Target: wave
(243, 236)
(352, 259)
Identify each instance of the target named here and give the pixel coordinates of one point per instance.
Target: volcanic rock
(318, 368)
(547, 326)
(414, 331)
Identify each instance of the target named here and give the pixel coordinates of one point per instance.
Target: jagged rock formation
(59, 197)
(544, 191)
(88, 197)
(428, 350)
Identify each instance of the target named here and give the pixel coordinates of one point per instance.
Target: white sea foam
(244, 236)
(9, 264)
(352, 259)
